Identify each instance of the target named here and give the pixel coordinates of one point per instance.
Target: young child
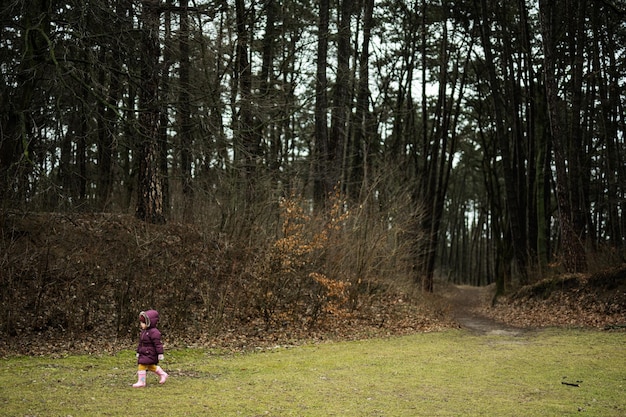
(150, 348)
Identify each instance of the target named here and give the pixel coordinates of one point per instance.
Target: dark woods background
(288, 158)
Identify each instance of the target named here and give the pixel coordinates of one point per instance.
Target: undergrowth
(67, 277)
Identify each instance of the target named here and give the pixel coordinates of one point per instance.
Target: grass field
(451, 373)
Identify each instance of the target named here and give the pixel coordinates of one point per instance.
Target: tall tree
(247, 144)
(606, 24)
(24, 94)
(440, 145)
(341, 101)
(552, 21)
(362, 146)
(510, 147)
(150, 205)
(321, 186)
(184, 111)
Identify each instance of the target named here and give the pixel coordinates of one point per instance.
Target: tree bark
(248, 141)
(17, 146)
(321, 146)
(341, 108)
(364, 129)
(184, 113)
(150, 192)
(573, 253)
(512, 170)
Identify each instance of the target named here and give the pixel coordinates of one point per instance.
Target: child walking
(150, 348)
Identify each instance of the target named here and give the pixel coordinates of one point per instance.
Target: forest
(313, 148)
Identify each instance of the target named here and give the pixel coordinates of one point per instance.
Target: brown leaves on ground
(592, 300)
(386, 316)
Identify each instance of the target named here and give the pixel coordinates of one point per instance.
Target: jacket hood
(151, 317)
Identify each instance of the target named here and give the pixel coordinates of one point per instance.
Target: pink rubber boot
(162, 375)
(141, 380)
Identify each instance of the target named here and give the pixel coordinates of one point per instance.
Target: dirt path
(466, 301)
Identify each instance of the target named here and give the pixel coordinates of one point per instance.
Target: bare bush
(70, 275)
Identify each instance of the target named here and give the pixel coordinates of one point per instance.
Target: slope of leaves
(75, 283)
(579, 300)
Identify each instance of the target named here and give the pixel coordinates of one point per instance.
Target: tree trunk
(250, 147)
(607, 85)
(364, 129)
(150, 192)
(107, 122)
(16, 143)
(184, 113)
(321, 146)
(339, 123)
(512, 169)
(573, 253)
(164, 116)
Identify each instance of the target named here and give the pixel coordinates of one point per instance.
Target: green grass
(452, 373)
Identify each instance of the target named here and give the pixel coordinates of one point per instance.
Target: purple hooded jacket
(150, 346)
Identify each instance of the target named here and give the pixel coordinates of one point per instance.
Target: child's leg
(162, 375)
(159, 371)
(141, 376)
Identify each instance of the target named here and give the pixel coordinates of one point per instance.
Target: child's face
(143, 325)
